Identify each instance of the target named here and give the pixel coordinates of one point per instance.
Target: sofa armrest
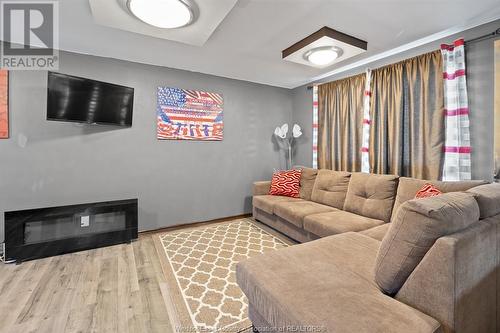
(456, 281)
(261, 188)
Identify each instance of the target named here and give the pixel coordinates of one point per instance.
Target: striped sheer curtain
(315, 128)
(365, 146)
(457, 151)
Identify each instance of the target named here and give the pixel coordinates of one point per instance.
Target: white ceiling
(247, 44)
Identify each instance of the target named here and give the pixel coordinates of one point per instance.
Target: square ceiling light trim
(325, 39)
(116, 14)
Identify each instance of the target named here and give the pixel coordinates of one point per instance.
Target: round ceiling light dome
(322, 56)
(166, 14)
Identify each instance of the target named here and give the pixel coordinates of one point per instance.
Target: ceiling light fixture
(324, 48)
(166, 14)
(324, 55)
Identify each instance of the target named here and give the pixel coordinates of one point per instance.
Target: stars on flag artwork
(184, 114)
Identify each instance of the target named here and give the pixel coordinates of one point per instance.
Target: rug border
(172, 306)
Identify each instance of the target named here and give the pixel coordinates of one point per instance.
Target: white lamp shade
(284, 130)
(296, 131)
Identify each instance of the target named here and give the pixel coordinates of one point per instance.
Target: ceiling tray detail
(115, 14)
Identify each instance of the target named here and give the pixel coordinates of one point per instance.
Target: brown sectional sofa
(435, 268)
(354, 201)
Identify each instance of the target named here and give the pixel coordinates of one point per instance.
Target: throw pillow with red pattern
(428, 190)
(286, 183)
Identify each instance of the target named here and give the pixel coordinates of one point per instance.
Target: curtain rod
(484, 37)
(467, 42)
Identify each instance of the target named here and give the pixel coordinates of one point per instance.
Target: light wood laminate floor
(112, 289)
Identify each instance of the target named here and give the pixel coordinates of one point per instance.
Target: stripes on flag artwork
(184, 114)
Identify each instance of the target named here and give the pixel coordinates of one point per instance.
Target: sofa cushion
(488, 198)
(408, 188)
(326, 284)
(417, 225)
(377, 232)
(267, 202)
(371, 195)
(307, 180)
(330, 188)
(295, 211)
(337, 222)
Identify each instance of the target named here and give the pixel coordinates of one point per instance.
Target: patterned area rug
(199, 264)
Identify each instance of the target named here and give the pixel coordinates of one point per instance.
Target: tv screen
(75, 99)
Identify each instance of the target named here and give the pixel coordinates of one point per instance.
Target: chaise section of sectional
(326, 285)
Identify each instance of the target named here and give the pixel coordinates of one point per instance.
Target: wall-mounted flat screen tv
(76, 99)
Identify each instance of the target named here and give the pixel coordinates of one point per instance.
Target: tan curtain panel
(407, 108)
(407, 113)
(340, 111)
(387, 115)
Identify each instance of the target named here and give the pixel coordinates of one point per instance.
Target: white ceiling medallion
(165, 14)
(323, 48)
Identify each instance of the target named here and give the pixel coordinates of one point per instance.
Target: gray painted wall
(480, 62)
(51, 163)
(302, 115)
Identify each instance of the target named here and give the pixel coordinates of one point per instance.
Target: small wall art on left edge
(4, 104)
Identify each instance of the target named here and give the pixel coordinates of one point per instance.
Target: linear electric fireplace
(44, 232)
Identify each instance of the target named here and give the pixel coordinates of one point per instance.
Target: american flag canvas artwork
(184, 114)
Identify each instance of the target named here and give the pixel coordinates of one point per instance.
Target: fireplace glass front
(72, 226)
